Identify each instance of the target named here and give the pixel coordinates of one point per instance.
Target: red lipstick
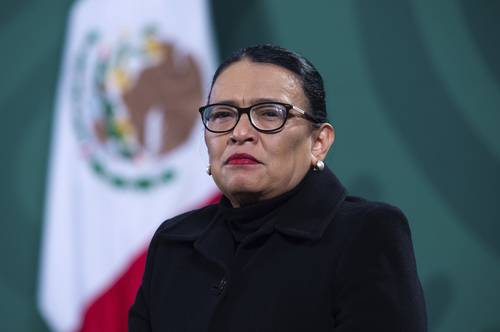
(242, 159)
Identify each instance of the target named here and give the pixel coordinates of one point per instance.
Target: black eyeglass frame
(246, 110)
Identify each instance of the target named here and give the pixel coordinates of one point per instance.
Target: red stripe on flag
(110, 310)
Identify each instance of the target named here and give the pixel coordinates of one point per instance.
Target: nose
(244, 131)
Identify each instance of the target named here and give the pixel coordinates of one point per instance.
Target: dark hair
(312, 83)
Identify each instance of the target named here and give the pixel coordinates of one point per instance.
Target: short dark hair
(312, 82)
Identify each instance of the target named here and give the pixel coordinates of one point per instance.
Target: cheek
(213, 148)
(216, 147)
(289, 151)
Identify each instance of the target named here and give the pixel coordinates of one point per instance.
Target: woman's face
(248, 165)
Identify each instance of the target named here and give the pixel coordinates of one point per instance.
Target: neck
(244, 199)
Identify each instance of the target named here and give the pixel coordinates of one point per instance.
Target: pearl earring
(209, 170)
(320, 165)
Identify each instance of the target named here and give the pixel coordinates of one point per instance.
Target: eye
(221, 113)
(270, 112)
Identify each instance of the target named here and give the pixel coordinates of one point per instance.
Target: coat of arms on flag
(133, 104)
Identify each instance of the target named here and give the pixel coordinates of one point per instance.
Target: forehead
(245, 82)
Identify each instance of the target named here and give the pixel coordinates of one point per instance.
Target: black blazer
(326, 262)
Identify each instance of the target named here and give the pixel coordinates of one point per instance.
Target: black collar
(309, 212)
(306, 214)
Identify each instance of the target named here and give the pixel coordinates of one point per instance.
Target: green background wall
(413, 91)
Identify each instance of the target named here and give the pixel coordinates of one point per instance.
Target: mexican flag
(127, 152)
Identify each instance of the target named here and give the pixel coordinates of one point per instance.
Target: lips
(242, 159)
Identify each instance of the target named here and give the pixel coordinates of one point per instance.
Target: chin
(242, 184)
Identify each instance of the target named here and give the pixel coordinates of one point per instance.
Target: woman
(285, 249)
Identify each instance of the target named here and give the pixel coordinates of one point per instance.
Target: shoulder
(182, 228)
(187, 225)
(365, 227)
(356, 212)
(375, 233)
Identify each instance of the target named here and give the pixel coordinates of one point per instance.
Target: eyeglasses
(265, 117)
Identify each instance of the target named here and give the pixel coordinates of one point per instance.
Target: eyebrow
(253, 101)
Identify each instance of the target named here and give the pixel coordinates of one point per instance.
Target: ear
(323, 138)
